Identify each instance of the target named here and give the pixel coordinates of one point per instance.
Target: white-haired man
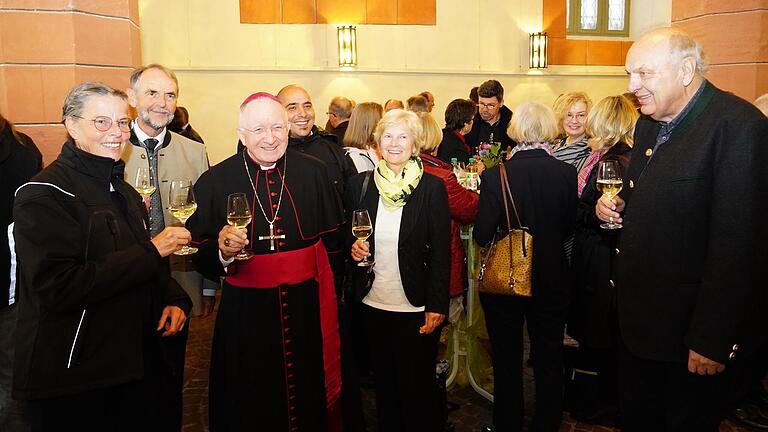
(153, 93)
(275, 363)
(690, 262)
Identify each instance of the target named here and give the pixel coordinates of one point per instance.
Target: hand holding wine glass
(182, 206)
(609, 183)
(362, 228)
(239, 216)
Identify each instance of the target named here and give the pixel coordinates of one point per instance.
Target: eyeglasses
(580, 116)
(103, 123)
(487, 105)
(261, 131)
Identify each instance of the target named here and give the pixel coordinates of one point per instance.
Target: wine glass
(182, 206)
(239, 216)
(362, 228)
(609, 182)
(144, 184)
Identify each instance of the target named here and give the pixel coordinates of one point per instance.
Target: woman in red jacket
(462, 202)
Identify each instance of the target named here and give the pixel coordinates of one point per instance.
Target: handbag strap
(506, 193)
(365, 186)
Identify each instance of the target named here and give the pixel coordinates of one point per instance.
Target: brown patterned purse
(507, 264)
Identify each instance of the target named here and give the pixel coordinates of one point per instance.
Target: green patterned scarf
(395, 192)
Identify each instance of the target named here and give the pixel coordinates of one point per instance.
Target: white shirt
(364, 160)
(387, 291)
(142, 136)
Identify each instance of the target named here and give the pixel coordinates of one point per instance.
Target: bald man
(690, 265)
(339, 112)
(307, 138)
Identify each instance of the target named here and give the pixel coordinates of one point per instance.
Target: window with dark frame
(597, 18)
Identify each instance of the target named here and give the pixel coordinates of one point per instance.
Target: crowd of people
(667, 310)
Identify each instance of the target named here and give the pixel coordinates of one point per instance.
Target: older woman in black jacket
(407, 298)
(544, 190)
(95, 293)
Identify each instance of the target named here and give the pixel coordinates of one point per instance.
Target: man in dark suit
(691, 264)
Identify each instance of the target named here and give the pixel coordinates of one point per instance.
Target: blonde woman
(358, 140)
(592, 320)
(544, 190)
(461, 202)
(407, 300)
(571, 111)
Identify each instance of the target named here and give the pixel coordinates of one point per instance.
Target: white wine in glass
(144, 183)
(609, 183)
(362, 228)
(182, 206)
(239, 216)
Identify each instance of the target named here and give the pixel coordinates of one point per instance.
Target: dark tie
(156, 219)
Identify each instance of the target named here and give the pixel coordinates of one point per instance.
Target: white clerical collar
(267, 167)
(142, 136)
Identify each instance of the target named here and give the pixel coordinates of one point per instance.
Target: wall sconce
(347, 46)
(537, 49)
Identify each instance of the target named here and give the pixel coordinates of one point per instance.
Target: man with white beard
(153, 92)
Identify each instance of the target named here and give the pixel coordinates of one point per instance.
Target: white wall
(220, 61)
(649, 14)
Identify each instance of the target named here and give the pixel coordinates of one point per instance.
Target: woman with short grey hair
(95, 293)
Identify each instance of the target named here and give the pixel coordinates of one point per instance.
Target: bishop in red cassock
(275, 364)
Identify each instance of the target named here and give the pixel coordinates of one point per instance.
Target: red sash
(272, 270)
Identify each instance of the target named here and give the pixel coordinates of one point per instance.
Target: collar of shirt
(666, 128)
(142, 136)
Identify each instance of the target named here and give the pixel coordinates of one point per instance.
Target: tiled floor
(474, 411)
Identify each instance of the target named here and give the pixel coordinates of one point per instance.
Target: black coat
(452, 147)
(424, 243)
(544, 190)
(340, 131)
(192, 134)
(324, 147)
(19, 161)
(692, 266)
(592, 320)
(92, 285)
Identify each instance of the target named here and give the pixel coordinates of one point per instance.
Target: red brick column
(735, 36)
(48, 46)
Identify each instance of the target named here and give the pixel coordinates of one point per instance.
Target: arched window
(597, 17)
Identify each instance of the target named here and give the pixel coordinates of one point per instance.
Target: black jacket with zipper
(91, 284)
(424, 241)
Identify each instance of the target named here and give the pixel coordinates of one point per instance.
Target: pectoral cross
(272, 237)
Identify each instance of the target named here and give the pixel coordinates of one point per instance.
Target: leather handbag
(507, 263)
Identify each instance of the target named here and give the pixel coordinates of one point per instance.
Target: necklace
(271, 236)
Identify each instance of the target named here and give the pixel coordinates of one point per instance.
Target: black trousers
(545, 317)
(404, 369)
(175, 349)
(664, 396)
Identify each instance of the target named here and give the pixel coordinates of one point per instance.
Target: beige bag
(507, 264)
